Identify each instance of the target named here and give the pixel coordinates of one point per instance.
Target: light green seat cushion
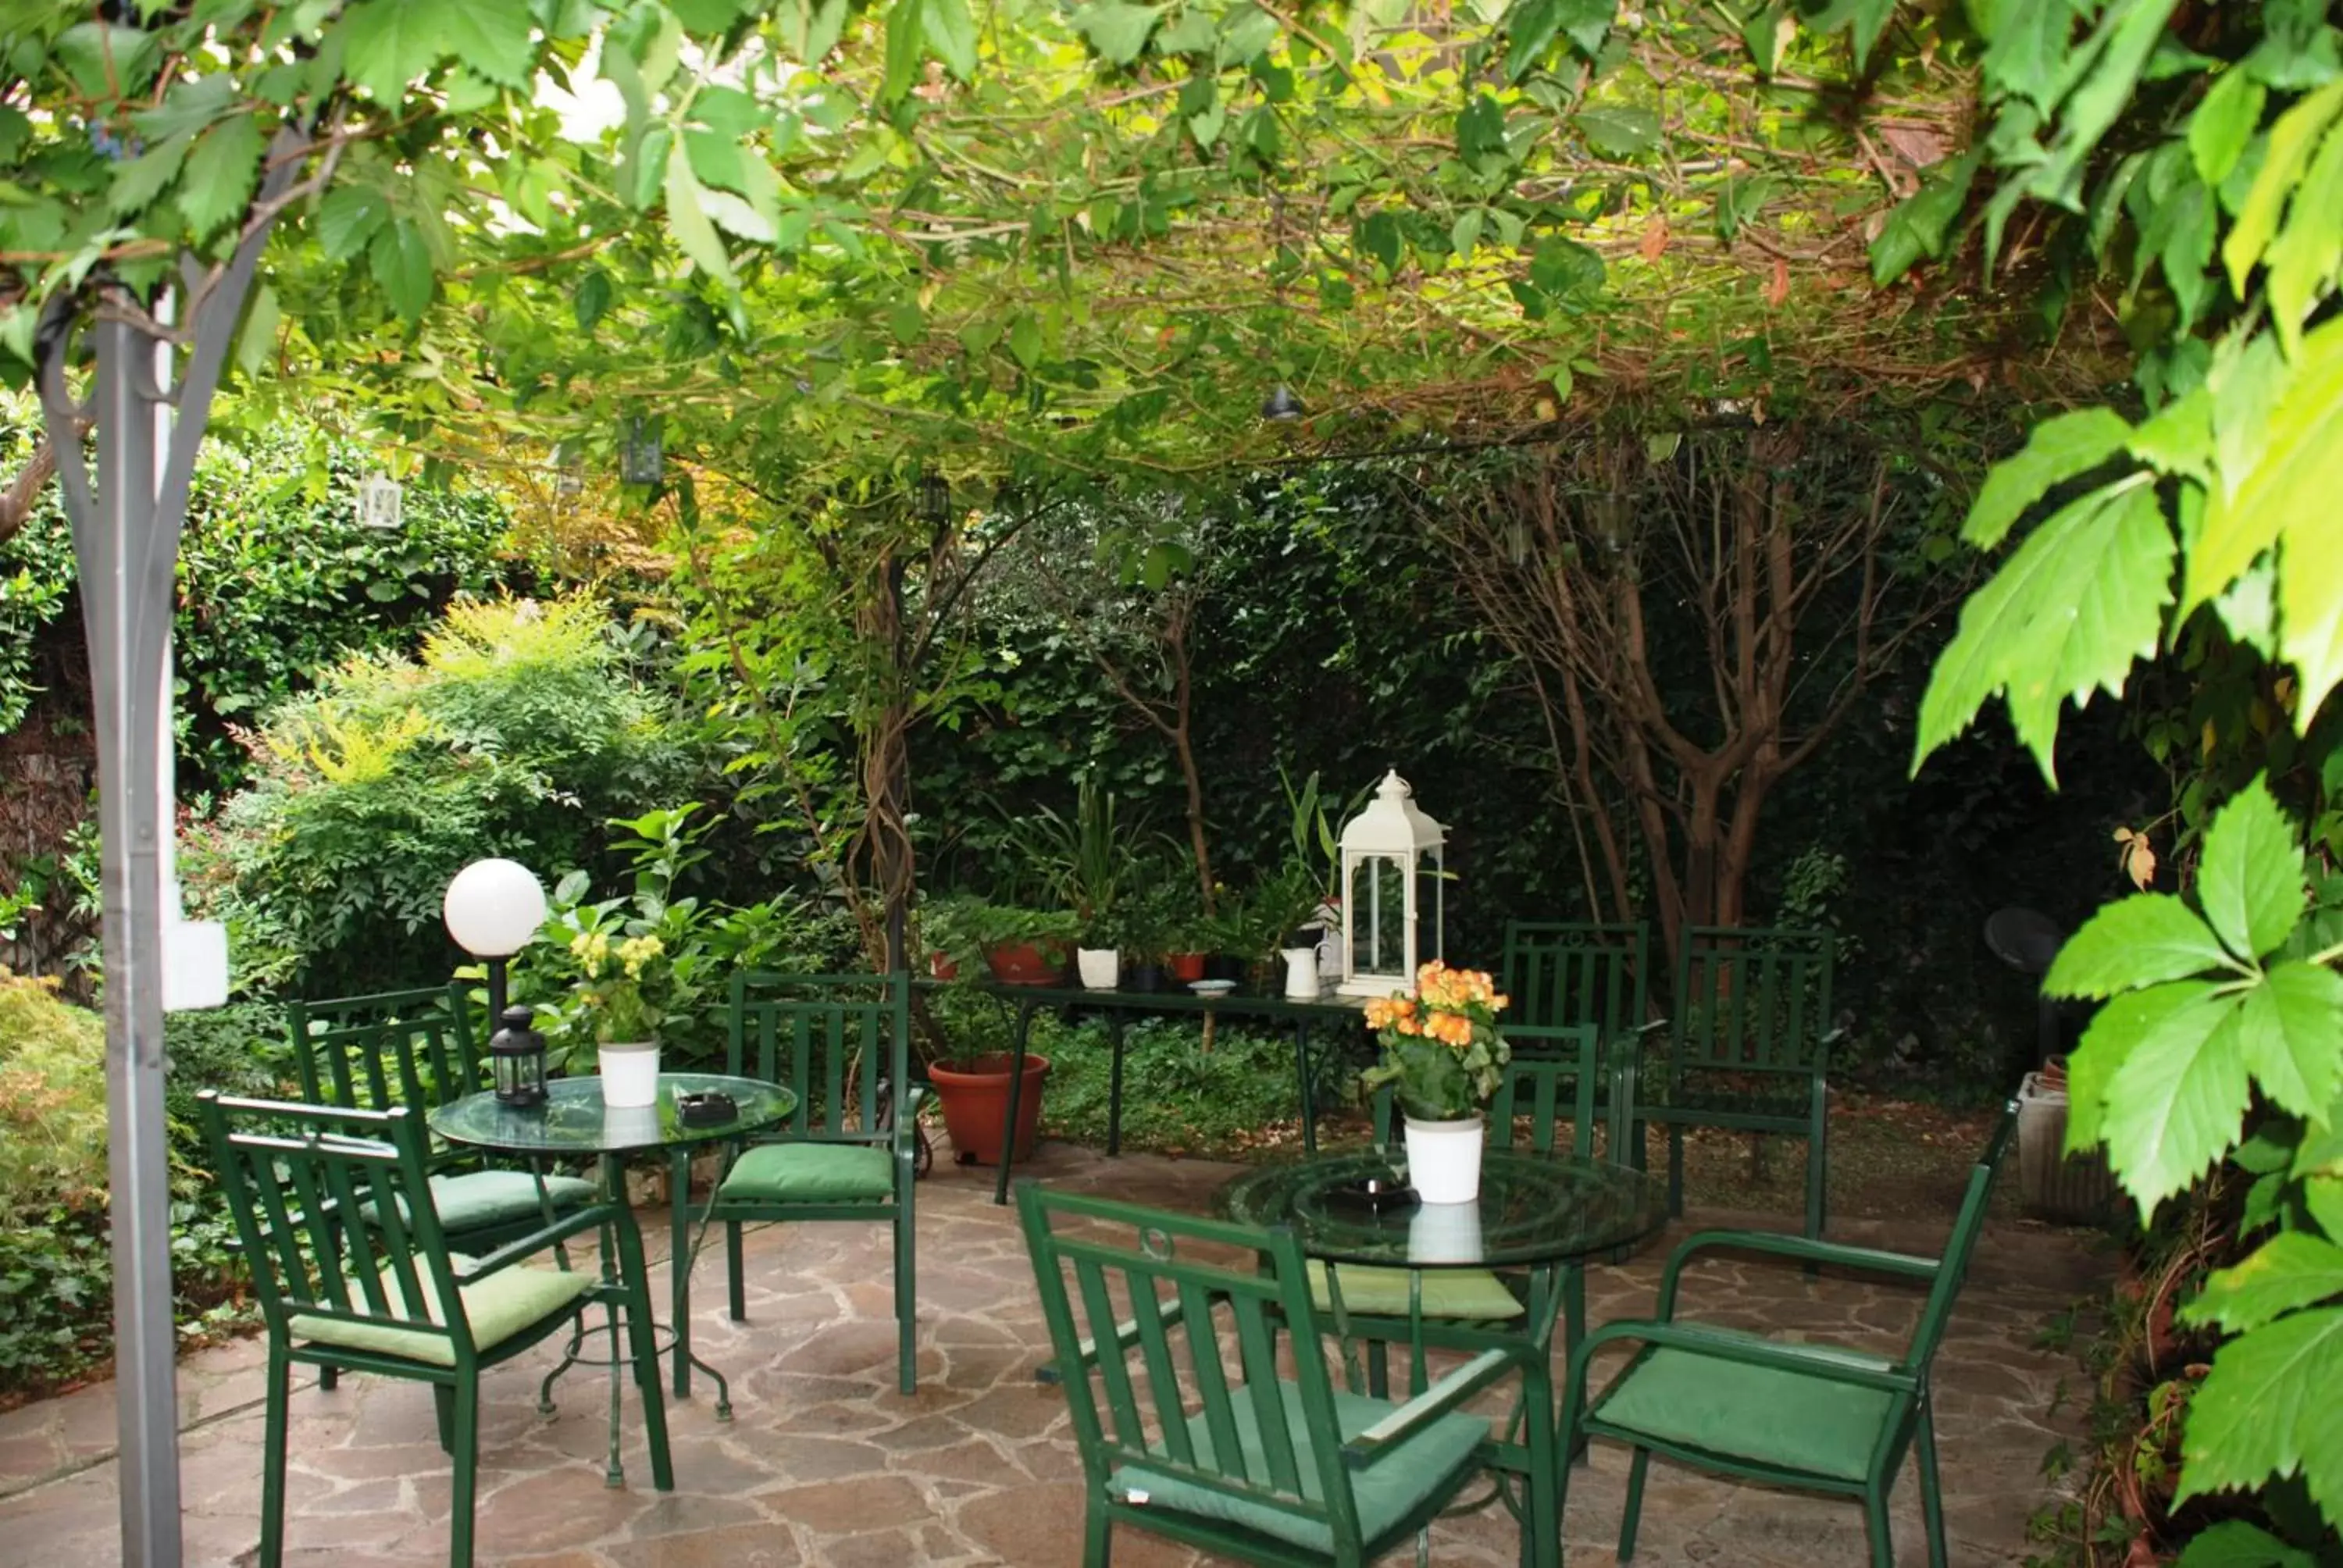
(1762, 1413)
(505, 1303)
(486, 1199)
(1387, 1492)
(1473, 1295)
(810, 1173)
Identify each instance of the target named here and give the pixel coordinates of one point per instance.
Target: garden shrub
(52, 1099)
(518, 732)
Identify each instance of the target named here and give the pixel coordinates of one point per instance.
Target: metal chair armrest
(537, 1240)
(1804, 1249)
(1828, 1362)
(1442, 1399)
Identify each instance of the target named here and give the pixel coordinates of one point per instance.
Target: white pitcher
(1301, 972)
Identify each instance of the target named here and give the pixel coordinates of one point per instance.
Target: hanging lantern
(516, 1059)
(935, 498)
(380, 502)
(642, 458)
(1393, 905)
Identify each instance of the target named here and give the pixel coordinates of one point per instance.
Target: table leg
(1303, 1081)
(1015, 1098)
(1114, 1086)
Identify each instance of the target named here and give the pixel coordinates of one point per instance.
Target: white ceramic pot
(1444, 1159)
(631, 1074)
(1301, 972)
(1100, 968)
(1444, 1233)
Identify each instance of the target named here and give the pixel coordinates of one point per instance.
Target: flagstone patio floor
(826, 1465)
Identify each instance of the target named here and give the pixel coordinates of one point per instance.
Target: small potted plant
(623, 990)
(971, 1086)
(1098, 958)
(1023, 947)
(947, 926)
(1441, 1057)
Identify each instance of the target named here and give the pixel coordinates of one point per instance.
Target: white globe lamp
(493, 910)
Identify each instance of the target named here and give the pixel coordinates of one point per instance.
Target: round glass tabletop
(1533, 1209)
(574, 1121)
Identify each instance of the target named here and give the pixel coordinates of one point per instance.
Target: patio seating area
(825, 1463)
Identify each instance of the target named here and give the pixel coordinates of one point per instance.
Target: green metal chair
(335, 1208)
(1814, 1417)
(842, 1043)
(1568, 971)
(1189, 1429)
(1750, 1047)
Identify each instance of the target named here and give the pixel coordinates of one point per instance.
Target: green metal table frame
(1538, 1215)
(574, 1121)
(1119, 1007)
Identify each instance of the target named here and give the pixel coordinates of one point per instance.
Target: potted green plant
(1441, 1057)
(947, 934)
(1021, 946)
(972, 1085)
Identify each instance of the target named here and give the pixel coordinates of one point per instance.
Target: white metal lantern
(1391, 884)
(380, 502)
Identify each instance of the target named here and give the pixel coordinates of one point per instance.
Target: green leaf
(1116, 30)
(493, 41)
(2115, 1030)
(401, 263)
(2059, 448)
(1025, 341)
(2250, 883)
(2234, 1544)
(2294, 485)
(2029, 50)
(106, 60)
(1561, 266)
(348, 218)
(1919, 223)
(138, 182)
(1587, 23)
(2292, 1029)
(1529, 31)
(907, 43)
(687, 219)
(2140, 940)
(387, 44)
(592, 299)
(2178, 1102)
(737, 216)
(2081, 600)
(952, 33)
(2290, 141)
(256, 340)
(2225, 121)
(221, 172)
(2302, 259)
(2268, 1409)
(1619, 133)
(2289, 1271)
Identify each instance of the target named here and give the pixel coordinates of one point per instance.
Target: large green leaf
(2234, 1544)
(2268, 1409)
(2303, 257)
(400, 261)
(1918, 226)
(2132, 942)
(2081, 600)
(2290, 142)
(2059, 448)
(1619, 133)
(2291, 1027)
(387, 44)
(2178, 1102)
(2291, 1271)
(1117, 30)
(687, 219)
(493, 41)
(348, 218)
(138, 181)
(2225, 121)
(2250, 883)
(222, 169)
(2299, 480)
(952, 34)
(2115, 1030)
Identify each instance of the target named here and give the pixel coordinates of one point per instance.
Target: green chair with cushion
(842, 1043)
(1191, 1428)
(1750, 1047)
(1813, 1417)
(336, 1210)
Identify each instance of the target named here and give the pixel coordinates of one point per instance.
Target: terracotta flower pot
(1027, 963)
(942, 967)
(1185, 967)
(975, 1096)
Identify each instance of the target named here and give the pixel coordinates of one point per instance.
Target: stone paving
(825, 1465)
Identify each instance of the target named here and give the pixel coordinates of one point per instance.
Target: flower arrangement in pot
(1442, 1058)
(623, 992)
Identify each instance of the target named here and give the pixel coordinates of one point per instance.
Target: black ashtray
(712, 1108)
(1369, 1198)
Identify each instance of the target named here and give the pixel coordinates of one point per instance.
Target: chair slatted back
(832, 1040)
(1186, 1348)
(410, 1048)
(327, 1200)
(1751, 1001)
(1966, 1226)
(1567, 972)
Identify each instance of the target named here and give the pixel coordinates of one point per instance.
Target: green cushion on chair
(812, 1173)
(1473, 1295)
(1762, 1413)
(484, 1200)
(1396, 1485)
(498, 1307)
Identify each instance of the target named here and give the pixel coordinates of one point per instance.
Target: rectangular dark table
(1118, 1006)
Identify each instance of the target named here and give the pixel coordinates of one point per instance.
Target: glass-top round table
(575, 1121)
(1535, 1211)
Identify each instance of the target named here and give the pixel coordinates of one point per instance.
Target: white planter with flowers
(1442, 1059)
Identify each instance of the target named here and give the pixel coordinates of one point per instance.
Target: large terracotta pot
(1027, 963)
(1185, 967)
(975, 1096)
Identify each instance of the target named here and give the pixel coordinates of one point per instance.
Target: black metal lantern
(517, 1058)
(935, 498)
(1281, 407)
(642, 456)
